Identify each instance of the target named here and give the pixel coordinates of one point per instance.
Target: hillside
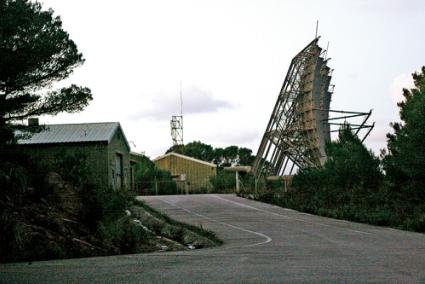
(59, 225)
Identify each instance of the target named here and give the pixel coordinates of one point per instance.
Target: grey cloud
(246, 136)
(235, 137)
(195, 100)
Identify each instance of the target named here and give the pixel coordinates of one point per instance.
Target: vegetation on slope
(58, 217)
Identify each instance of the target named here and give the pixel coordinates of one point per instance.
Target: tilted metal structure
(299, 126)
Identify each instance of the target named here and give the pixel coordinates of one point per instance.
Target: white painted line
(250, 207)
(286, 217)
(268, 239)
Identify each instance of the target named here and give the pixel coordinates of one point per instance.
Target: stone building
(109, 160)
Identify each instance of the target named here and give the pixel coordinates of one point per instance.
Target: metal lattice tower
(176, 123)
(297, 130)
(177, 129)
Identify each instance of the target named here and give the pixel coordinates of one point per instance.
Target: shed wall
(197, 175)
(96, 157)
(118, 147)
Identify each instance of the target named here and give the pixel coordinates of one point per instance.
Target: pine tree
(34, 53)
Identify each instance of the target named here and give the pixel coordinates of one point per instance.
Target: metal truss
(296, 133)
(353, 126)
(177, 129)
(300, 126)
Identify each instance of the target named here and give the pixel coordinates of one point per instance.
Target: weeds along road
(262, 244)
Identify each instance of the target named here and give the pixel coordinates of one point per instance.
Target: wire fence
(167, 187)
(247, 185)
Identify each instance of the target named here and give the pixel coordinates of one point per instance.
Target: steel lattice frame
(298, 130)
(176, 124)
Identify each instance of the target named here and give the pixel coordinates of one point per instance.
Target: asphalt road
(263, 244)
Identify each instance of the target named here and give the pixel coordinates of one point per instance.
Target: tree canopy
(350, 164)
(221, 156)
(405, 161)
(350, 174)
(34, 53)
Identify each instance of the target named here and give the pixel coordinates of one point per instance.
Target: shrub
(223, 182)
(152, 180)
(125, 234)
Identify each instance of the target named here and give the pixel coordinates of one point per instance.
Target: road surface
(262, 244)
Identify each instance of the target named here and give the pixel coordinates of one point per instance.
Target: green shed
(104, 145)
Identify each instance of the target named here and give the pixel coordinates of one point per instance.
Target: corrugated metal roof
(72, 133)
(185, 157)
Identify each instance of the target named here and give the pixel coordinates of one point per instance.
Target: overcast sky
(232, 57)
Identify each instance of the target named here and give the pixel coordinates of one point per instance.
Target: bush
(152, 180)
(18, 174)
(72, 167)
(223, 182)
(125, 234)
(349, 186)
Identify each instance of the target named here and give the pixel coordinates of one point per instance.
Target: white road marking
(283, 216)
(268, 239)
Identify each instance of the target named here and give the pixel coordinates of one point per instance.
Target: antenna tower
(177, 123)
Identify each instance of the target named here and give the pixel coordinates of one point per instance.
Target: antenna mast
(317, 27)
(181, 100)
(176, 123)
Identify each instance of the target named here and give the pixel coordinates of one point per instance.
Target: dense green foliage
(349, 186)
(34, 53)
(355, 185)
(195, 149)
(223, 182)
(345, 187)
(405, 161)
(219, 156)
(151, 180)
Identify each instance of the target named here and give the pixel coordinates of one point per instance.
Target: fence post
(237, 182)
